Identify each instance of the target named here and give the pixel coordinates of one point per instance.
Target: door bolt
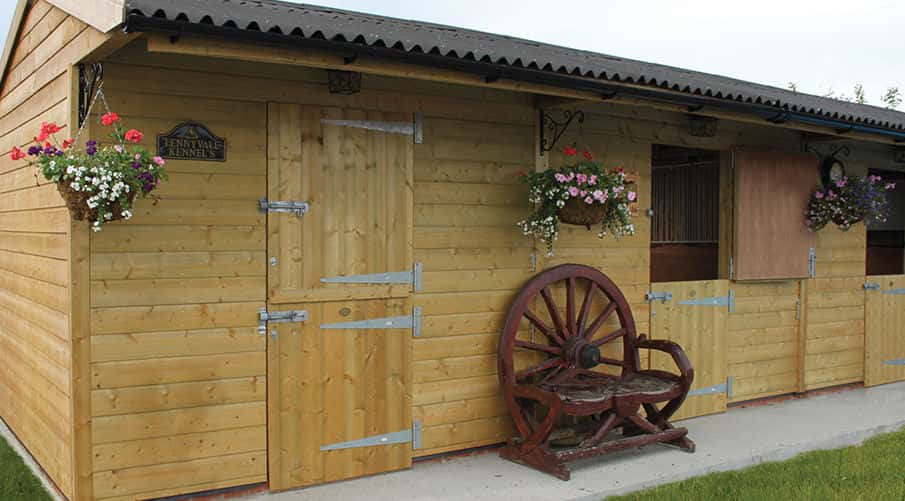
(273, 261)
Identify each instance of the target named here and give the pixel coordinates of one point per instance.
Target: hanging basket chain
(103, 98)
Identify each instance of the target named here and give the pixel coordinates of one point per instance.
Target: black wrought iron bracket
(90, 78)
(556, 128)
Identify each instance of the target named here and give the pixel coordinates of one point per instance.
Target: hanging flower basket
(848, 202)
(577, 212)
(98, 184)
(584, 193)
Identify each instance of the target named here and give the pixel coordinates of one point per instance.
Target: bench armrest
(675, 351)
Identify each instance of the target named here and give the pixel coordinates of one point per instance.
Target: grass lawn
(872, 471)
(16, 481)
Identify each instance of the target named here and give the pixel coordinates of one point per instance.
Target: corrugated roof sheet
(325, 23)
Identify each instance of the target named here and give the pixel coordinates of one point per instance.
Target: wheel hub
(580, 352)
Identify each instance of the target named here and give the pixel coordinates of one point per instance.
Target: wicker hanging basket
(576, 212)
(77, 203)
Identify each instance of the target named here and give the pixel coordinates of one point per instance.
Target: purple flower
(50, 150)
(34, 151)
(136, 165)
(91, 147)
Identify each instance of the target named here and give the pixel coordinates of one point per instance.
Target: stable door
(696, 316)
(339, 317)
(884, 338)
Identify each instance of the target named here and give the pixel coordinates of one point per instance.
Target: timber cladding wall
(36, 376)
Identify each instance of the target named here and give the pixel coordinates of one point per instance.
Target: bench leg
(538, 457)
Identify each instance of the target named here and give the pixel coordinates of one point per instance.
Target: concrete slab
(734, 440)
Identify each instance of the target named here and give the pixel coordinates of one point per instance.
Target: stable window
(886, 240)
(772, 190)
(685, 227)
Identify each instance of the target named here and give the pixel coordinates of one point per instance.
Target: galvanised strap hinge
(731, 267)
(278, 317)
(289, 206)
(415, 128)
(663, 297)
(412, 321)
(392, 277)
(812, 262)
(895, 291)
(714, 301)
(397, 437)
(897, 361)
(872, 286)
(710, 390)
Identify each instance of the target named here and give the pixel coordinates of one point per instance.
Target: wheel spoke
(548, 364)
(544, 328)
(554, 311)
(553, 350)
(570, 307)
(599, 321)
(585, 308)
(609, 337)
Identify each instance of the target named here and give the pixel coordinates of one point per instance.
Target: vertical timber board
(336, 385)
(885, 331)
(701, 330)
(80, 333)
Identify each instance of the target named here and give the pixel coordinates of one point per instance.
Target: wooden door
(696, 316)
(339, 383)
(884, 334)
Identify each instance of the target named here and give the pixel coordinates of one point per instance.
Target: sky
(821, 45)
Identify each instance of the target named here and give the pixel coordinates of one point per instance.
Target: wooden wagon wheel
(564, 346)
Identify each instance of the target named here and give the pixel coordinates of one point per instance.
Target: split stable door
(884, 340)
(339, 315)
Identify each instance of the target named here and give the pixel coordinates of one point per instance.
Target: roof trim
(102, 15)
(15, 26)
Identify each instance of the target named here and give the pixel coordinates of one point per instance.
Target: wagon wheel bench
(563, 405)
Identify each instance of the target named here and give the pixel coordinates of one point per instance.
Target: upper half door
(354, 169)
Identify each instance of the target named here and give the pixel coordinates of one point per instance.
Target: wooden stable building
(169, 354)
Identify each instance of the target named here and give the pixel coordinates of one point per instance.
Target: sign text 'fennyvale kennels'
(191, 141)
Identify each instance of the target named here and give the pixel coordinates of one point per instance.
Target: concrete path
(730, 441)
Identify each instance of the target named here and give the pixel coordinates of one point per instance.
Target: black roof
(328, 25)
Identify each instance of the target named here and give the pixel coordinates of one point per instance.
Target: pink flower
(118, 148)
(600, 195)
(559, 177)
(582, 179)
(592, 180)
(632, 196)
(840, 183)
(818, 195)
(588, 200)
(570, 176)
(573, 191)
(891, 186)
(158, 160)
(16, 153)
(583, 193)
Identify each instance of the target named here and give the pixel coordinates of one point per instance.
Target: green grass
(872, 471)
(16, 481)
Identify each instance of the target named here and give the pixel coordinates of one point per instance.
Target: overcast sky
(822, 45)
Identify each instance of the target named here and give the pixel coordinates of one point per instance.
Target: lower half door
(696, 317)
(339, 392)
(884, 353)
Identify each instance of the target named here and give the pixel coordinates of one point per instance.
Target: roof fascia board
(582, 89)
(102, 15)
(15, 26)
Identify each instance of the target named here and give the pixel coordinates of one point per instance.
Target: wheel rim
(572, 309)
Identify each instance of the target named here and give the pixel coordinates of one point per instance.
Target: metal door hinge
(279, 317)
(897, 361)
(412, 321)
(397, 437)
(714, 301)
(731, 267)
(415, 128)
(798, 308)
(663, 297)
(288, 206)
(710, 390)
(812, 262)
(533, 261)
(895, 291)
(392, 277)
(872, 286)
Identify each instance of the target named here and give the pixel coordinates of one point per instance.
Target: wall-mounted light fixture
(344, 82)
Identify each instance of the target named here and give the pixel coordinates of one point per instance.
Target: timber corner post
(79, 241)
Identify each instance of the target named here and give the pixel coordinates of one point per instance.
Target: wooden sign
(191, 141)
